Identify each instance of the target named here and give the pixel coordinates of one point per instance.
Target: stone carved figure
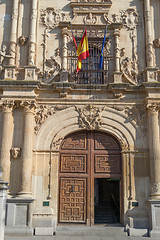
(90, 19)
(15, 152)
(52, 67)
(3, 53)
(89, 117)
(156, 43)
(22, 40)
(129, 67)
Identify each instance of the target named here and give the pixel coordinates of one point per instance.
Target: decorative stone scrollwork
(51, 17)
(138, 114)
(89, 117)
(156, 188)
(129, 18)
(43, 112)
(153, 107)
(7, 106)
(15, 152)
(55, 144)
(29, 106)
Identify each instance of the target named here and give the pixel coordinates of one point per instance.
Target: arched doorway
(90, 178)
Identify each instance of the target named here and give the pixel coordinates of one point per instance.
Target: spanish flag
(82, 50)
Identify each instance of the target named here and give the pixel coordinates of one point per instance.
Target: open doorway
(106, 200)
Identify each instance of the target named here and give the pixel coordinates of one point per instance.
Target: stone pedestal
(151, 74)
(3, 196)
(30, 73)
(19, 216)
(9, 73)
(155, 218)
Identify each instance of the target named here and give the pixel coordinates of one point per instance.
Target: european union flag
(101, 56)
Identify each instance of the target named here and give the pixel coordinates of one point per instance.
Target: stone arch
(66, 121)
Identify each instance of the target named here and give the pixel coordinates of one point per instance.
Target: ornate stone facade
(44, 101)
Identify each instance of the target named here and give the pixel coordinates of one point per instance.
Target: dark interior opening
(106, 200)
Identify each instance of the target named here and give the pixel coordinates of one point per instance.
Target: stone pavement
(77, 238)
(84, 233)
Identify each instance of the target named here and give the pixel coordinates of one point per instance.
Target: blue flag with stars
(101, 56)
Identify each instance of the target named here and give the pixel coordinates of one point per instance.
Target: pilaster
(13, 35)
(64, 73)
(7, 130)
(117, 75)
(32, 37)
(151, 71)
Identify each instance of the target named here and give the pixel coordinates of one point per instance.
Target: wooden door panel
(76, 141)
(84, 156)
(72, 200)
(105, 142)
(73, 163)
(107, 164)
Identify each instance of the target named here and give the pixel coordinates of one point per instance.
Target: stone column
(32, 37)
(148, 31)
(3, 197)
(154, 149)
(64, 73)
(13, 36)
(7, 129)
(151, 70)
(27, 147)
(117, 74)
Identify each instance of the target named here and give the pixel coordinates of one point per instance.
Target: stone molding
(62, 123)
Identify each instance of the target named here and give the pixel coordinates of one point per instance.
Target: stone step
(90, 231)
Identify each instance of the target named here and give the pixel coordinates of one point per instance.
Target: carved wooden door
(83, 157)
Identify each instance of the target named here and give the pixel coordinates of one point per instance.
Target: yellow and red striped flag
(82, 50)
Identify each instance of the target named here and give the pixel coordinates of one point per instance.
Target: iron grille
(89, 74)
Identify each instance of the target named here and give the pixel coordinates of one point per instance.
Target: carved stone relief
(156, 43)
(129, 68)
(129, 65)
(43, 112)
(15, 152)
(51, 17)
(51, 65)
(86, 11)
(89, 117)
(138, 114)
(156, 187)
(7, 106)
(22, 40)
